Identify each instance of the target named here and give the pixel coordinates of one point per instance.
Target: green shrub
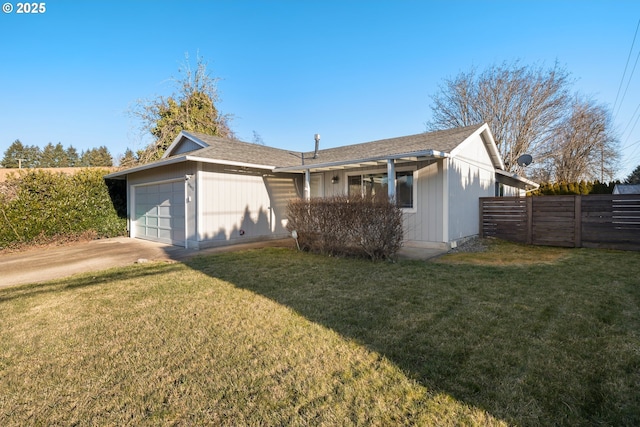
(582, 187)
(40, 205)
(347, 226)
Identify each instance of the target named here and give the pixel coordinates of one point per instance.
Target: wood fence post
(529, 201)
(577, 218)
(481, 227)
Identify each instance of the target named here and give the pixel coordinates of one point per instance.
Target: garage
(160, 212)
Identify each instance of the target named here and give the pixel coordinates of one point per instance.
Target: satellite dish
(524, 160)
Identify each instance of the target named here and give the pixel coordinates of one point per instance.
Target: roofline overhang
(525, 183)
(177, 139)
(490, 143)
(343, 164)
(173, 160)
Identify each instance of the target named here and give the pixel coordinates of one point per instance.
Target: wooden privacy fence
(593, 221)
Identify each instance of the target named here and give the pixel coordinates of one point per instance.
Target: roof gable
(217, 148)
(184, 143)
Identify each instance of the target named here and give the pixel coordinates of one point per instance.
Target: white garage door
(159, 212)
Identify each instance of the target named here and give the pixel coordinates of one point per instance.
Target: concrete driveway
(39, 265)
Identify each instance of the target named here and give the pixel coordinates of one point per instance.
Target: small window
(404, 189)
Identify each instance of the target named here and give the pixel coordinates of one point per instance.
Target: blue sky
(353, 71)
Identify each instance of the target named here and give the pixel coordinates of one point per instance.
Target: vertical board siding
(237, 205)
(596, 221)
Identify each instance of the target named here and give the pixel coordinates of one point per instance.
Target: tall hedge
(582, 187)
(340, 225)
(40, 205)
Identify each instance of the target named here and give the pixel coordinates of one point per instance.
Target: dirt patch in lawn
(502, 253)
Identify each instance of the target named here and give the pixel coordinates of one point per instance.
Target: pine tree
(54, 156)
(128, 159)
(96, 157)
(12, 154)
(634, 177)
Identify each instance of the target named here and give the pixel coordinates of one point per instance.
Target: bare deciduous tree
(522, 105)
(584, 146)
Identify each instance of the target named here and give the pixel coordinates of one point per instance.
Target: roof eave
(342, 164)
(523, 182)
(173, 160)
(162, 162)
(176, 142)
(229, 163)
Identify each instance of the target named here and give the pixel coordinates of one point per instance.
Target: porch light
(335, 179)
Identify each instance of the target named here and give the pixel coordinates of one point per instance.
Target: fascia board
(517, 178)
(229, 163)
(185, 159)
(176, 141)
(488, 142)
(148, 166)
(356, 162)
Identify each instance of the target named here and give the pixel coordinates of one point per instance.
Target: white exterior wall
(323, 184)
(471, 176)
(246, 205)
(425, 223)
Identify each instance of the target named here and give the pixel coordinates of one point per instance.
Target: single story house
(209, 191)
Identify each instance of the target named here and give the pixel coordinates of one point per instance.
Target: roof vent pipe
(317, 138)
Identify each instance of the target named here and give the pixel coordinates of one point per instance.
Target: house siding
(426, 223)
(185, 146)
(471, 176)
(239, 205)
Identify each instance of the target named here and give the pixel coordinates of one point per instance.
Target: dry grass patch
(503, 253)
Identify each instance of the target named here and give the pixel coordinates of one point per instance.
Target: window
(376, 185)
(404, 189)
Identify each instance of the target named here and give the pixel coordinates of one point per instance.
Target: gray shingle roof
(237, 151)
(241, 152)
(626, 189)
(233, 151)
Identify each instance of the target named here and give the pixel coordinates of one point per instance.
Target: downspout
(187, 201)
(186, 211)
(130, 201)
(445, 200)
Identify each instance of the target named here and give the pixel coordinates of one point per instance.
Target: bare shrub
(348, 226)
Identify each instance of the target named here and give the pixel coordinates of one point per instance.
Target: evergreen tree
(634, 177)
(96, 157)
(128, 159)
(12, 154)
(585, 187)
(72, 156)
(574, 188)
(19, 155)
(54, 156)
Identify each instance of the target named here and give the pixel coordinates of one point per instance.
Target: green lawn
(516, 335)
